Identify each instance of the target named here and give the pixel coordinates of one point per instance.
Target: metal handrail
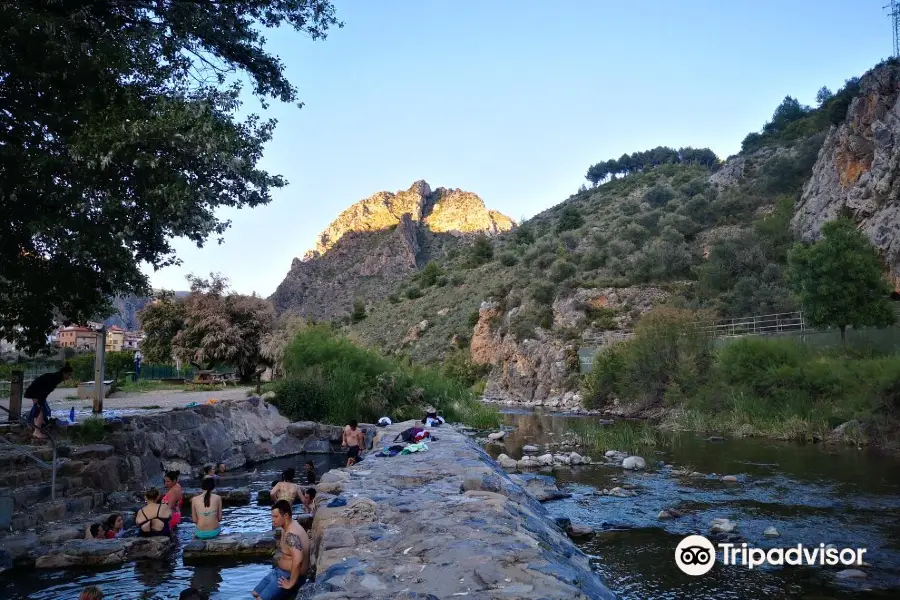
(21, 450)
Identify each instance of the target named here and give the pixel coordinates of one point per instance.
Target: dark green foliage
(561, 270)
(428, 276)
(473, 318)
(480, 252)
(641, 161)
(601, 318)
(119, 132)
(840, 279)
(394, 299)
(523, 235)
(359, 311)
(413, 292)
(570, 218)
(508, 259)
(458, 365)
(659, 195)
(543, 293)
(593, 260)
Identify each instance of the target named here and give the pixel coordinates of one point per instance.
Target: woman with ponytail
(206, 511)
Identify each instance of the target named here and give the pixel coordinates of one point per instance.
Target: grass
(90, 431)
(624, 436)
(149, 385)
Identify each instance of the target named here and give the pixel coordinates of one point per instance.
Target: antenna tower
(894, 13)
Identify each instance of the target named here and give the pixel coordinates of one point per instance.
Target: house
(132, 340)
(115, 338)
(80, 338)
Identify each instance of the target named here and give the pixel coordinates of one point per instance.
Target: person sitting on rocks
(286, 489)
(354, 440)
(91, 592)
(290, 573)
(206, 511)
(154, 518)
(95, 532)
(115, 526)
(310, 473)
(174, 496)
(308, 499)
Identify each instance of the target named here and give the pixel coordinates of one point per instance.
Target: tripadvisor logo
(695, 555)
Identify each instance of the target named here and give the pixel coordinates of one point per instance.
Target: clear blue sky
(514, 100)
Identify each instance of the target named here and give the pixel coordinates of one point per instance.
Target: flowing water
(166, 579)
(812, 494)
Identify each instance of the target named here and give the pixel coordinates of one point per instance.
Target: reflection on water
(165, 579)
(811, 493)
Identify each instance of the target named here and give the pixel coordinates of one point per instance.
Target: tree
(840, 280)
(823, 95)
(359, 311)
(161, 320)
(787, 112)
(274, 343)
(118, 132)
(217, 327)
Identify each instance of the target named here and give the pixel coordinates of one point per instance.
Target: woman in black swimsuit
(153, 519)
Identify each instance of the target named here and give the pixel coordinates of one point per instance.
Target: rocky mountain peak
(441, 211)
(858, 168)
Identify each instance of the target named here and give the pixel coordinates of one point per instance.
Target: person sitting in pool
(153, 519)
(293, 563)
(206, 511)
(95, 532)
(91, 592)
(115, 526)
(174, 496)
(310, 473)
(286, 489)
(308, 498)
(220, 469)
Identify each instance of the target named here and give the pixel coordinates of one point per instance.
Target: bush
(659, 195)
(473, 318)
(543, 293)
(480, 252)
(570, 218)
(359, 311)
(508, 259)
(429, 275)
(458, 365)
(413, 293)
(562, 270)
(601, 385)
(329, 379)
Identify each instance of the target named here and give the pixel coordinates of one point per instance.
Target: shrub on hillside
(480, 252)
(458, 365)
(570, 218)
(543, 293)
(659, 195)
(508, 259)
(561, 270)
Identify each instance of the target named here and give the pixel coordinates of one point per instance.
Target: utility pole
(894, 12)
(99, 369)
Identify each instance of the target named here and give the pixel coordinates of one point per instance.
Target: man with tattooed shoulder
(293, 563)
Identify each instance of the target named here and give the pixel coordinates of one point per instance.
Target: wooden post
(16, 389)
(99, 368)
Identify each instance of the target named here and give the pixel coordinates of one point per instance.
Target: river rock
(722, 526)
(542, 487)
(530, 448)
(579, 531)
(616, 492)
(496, 436)
(851, 574)
(771, 532)
(545, 460)
(729, 479)
(561, 459)
(634, 463)
(408, 513)
(669, 513)
(234, 545)
(89, 553)
(506, 462)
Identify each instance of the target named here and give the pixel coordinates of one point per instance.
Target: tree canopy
(118, 132)
(215, 327)
(840, 279)
(639, 161)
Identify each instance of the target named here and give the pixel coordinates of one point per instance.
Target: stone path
(446, 523)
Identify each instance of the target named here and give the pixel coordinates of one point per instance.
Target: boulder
(579, 531)
(233, 545)
(771, 532)
(562, 459)
(530, 448)
(722, 526)
(851, 574)
(541, 487)
(496, 436)
(506, 462)
(634, 463)
(89, 553)
(729, 479)
(545, 460)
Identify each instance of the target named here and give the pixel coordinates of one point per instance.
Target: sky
(515, 100)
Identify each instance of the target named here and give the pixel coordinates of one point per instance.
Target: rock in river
(530, 448)
(771, 532)
(722, 526)
(497, 436)
(634, 463)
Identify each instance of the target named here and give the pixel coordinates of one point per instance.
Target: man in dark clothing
(38, 391)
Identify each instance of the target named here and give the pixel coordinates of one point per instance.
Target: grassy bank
(329, 379)
(775, 388)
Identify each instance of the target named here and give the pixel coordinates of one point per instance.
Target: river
(811, 494)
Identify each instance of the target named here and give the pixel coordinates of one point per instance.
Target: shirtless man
(354, 440)
(293, 563)
(286, 489)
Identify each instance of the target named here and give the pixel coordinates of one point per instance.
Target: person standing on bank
(355, 441)
(38, 391)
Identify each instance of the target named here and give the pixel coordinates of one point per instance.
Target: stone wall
(448, 522)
